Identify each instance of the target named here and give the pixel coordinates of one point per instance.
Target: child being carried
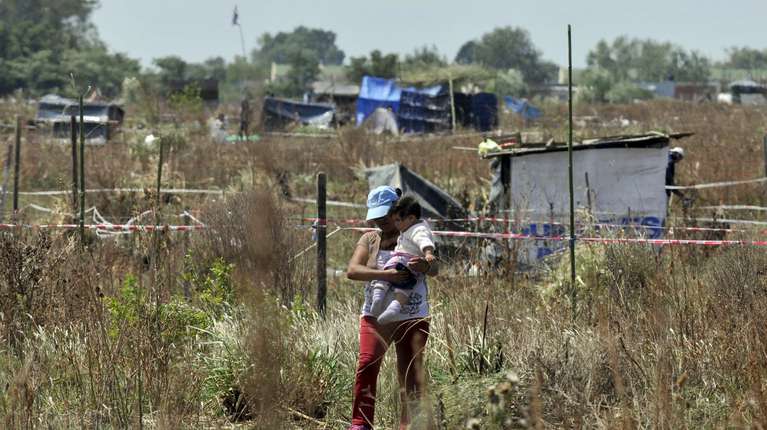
(415, 240)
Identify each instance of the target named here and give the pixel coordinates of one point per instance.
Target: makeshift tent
(277, 113)
(424, 111)
(522, 107)
(620, 180)
(375, 93)
(479, 111)
(380, 121)
(748, 93)
(435, 202)
(418, 110)
(100, 119)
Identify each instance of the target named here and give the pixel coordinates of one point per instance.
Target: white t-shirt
(417, 307)
(415, 239)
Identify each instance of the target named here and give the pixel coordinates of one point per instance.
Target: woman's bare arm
(359, 271)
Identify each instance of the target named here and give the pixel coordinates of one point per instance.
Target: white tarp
(626, 186)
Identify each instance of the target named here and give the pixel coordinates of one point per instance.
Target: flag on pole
(235, 17)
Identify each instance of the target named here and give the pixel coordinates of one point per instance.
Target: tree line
(44, 43)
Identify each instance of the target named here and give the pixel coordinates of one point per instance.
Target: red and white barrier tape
(516, 236)
(353, 222)
(106, 227)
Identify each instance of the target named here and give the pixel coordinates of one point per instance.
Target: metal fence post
(73, 137)
(321, 242)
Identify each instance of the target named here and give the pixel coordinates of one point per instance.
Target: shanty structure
(279, 113)
(617, 180)
(342, 95)
(748, 92)
(101, 119)
(426, 109)
(435, 202)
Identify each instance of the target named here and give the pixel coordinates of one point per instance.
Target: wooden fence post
(6, 172)
(321, 242)
(764, 142)
(16, 165)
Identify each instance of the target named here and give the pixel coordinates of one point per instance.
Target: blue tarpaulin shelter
(375, 93)
(425, 110)
(479, 111)
(522, 107)
(418, 103)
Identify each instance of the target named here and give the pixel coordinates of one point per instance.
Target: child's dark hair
(407, 205)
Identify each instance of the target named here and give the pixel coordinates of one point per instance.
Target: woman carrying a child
(395, 279)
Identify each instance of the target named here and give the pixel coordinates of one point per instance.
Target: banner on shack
(617, 181)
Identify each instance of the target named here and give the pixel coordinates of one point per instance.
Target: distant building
(342, 95)
(100, 119)
(686, 91)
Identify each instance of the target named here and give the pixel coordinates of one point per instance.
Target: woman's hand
(394, 276)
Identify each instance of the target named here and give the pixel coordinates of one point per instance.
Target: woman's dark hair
(407, 205)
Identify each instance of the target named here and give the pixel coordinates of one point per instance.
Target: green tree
(212, 68)
(424, 57)
(746, 58)
(171, 68)
(281, 48)
(304, 69)
(595, 84)
(507, 48)
(648, 60)
(510, 83)
(43, 41)
(467, 54)
(377, 64)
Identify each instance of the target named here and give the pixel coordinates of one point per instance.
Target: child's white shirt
(415, 239)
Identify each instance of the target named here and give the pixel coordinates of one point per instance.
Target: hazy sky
(199, 29)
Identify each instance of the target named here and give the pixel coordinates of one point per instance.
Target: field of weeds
(217, 329)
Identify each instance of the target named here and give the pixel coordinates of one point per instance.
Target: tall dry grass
(203, 331)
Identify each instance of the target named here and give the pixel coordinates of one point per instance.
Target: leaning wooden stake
(6, 172)
(452, 103)
(573, 293)
(321, 243)
(16, 165)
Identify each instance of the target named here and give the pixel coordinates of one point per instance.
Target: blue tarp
(522, 107)
(375, 93)
(385, 93)
(424, 111)
(484, 111)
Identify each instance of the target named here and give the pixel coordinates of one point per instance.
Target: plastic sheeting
(280, 112)
(377, 93)
(417, 109)
(478, 111)
(382, 121)
(522, 107)
(424, 111)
